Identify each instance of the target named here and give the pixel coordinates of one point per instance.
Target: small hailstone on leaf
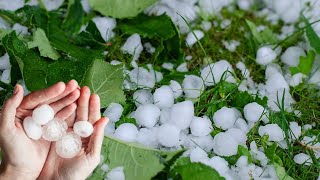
(297, 79)
(5, 77)
(113, 112)
(303, 158)
(274, 132)
(192, 86)
(116, 174)
(105, 26)
(163, 97)
(109, 129)
(54, 129)
(201, 126)
(182, 67)
(265, 55)
(176, 88)
(254, 111)
(43, 114)
(33, 130)
(83, 128)
(291, 56)
(69, 145)
(147, 115)
(295, 130)
(126, 132)
(225, 118)
(167, 65)
(215, 72)
(142, 97)
(182, 114)
(5, 62)
(168, 135)
(193, 37)
(133, 46)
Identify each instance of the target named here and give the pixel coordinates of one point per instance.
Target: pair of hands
(24, 158)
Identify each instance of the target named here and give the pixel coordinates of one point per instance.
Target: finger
(66, 101)
(94, 109)
(10, 107)
(67, 111)
(70, 120)
(70, 87)
(83, 104)
(96, 139)
(34, 99)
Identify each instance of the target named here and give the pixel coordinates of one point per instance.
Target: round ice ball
(32, 129)
(43, 114)
(126, 132)
(201, 126)
(54, 129)
(83, 128)
(147, 115)
(69, 145)
(168, 135)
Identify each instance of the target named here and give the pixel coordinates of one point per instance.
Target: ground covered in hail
(194, 89)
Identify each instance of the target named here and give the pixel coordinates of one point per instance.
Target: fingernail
(16, 90)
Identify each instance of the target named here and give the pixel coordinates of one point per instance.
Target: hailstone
(83, 128)
(201, 126)
(54, 130)
(147, 115)
(163, 97)
(32, 129)
(43, 114)
(168, 135)
(69, 145)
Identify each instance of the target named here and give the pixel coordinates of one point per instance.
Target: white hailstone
(109, 129)
(274, 132)
(219, 164)
(192, 86)
(265, 55)
(165, 116)
(54, 129)
(11, 5)
(297, 79)
(253, 112)
(163, 97)
(176, 88)
(33, 130)
(204, 142)
(198, 155)
(188, 58)
(245, 4)
(275, 83)
(149, 48)
(167, 65)
(225, 145)
(182, 67)
(295, 130)
(307, 127)
(69, 145)
(289, 12)
(20, 29)
(272, 69)
(242, 161)
(52, 5)
(206, 25)
(3, 23)
(5, 62)
(182, 114)
(168, 135)
(147, 115)
(83, 128)
(238, 135)
(115, 62)
(213, 73)
(225, 118)
(126, 132)
(303, 158)
(105, 167)
(159, 76)
(5, 77)
(43, 114)
(242, 125)
(291, 56)
(148, 137)
(231, 45)
(133, 46)
(201, 126)
(142, 78)
(193, 37)
(116, 174)
(113, 112)
(142, 97)
(86, 6)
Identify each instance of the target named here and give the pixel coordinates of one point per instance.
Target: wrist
(8, 172)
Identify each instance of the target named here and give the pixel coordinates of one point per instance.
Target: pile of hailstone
(43, 124)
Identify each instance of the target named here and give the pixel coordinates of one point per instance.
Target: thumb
(10, 107)
(96, 139)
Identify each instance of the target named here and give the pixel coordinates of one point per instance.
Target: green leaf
(305, 64)
(272, 155)
(240, 99)
(186, 170)
(90, 37)
(281, 172)
(138, 161)
(160, 27)
(105, 80)
(41, 41)
(242, 151)
(264, 37)
(75, 15)
(5, 93)
(126, 120)
(120, 8)
(312, 37)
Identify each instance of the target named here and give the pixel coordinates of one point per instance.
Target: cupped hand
(81, 166)
(24, 158)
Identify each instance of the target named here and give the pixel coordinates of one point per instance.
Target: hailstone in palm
(69, 145)
(83, 128)
(32, 129)
(43, 114)
(54, 129)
